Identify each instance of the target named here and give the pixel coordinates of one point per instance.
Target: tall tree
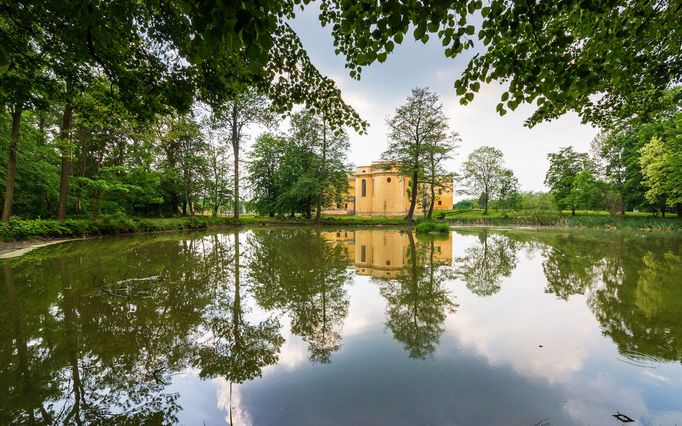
(236, 116)
(482, 173)
(564, 166)
(23, 86)
(264, 172)
(418, 122)
(332, 151)
(436, 175)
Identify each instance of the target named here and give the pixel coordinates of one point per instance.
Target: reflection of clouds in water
(366, 307)
(611, 397)
(293, 353)
(505, 334)
(240, 415)
(656, 376)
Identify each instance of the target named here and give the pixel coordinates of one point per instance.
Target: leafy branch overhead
(163, 55)
(602, 59)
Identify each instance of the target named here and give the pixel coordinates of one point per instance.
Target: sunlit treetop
(604, 59)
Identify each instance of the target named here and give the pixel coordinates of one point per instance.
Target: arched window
(388, 180)
(364, 188)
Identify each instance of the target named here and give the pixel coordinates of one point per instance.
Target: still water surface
(302, 327)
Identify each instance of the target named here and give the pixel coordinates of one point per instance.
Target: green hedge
(19, 229)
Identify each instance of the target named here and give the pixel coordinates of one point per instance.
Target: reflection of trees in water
(483, 265)
(417, 302)
(235, 348)
(633, 286)
(641, 311)
(571, 266)
(304, 275)
(94, 335)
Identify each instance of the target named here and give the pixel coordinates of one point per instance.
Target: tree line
(635, 165)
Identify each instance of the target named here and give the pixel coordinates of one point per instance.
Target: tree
(563, 168)
(586, 191)
(482, 173)
(217, 181)
(22, 86)
(436, 176)
(332, 168)
(661, 163)
(264, 172)
(305, 169)
(236, 116)
(420, 121)
(508, 195)
(625, 54)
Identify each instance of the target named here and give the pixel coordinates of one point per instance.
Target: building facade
(384, 254)
(380, 190)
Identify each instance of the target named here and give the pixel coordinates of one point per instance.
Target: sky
(383, 87)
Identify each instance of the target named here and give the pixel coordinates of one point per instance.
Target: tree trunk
(663, 211)
(11, 164)
(485, 204)
(65, 135)
(433, 201)
(235, 149)
(679, 210)
(323, 171)
(413, 198)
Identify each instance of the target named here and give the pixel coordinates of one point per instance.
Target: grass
(563, 219)
(21, 229)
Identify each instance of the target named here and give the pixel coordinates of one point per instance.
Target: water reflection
(485, 264)
(97, 331)
(301, 274)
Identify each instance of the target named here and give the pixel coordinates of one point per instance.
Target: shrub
(428, 227)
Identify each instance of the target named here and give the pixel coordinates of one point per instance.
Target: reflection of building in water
(380, 190)
(383, 253)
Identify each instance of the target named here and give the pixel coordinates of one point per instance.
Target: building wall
(385, 194)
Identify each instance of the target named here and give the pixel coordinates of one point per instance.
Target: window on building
(363, 254)
(346, 205)
(364, 188)
(338, 234)
(388, 263)
(388, 180)
(440, 203)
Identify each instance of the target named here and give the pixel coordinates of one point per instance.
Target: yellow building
(379, 190)
(383, 253)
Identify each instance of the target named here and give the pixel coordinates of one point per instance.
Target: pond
(291, 326)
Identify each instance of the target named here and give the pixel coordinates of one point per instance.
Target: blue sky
(413, 64)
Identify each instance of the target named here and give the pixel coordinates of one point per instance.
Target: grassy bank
(29, 229)
(47, 228)
(601, 220)
(19, 229)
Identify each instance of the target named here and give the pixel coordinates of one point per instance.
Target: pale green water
(298, 327)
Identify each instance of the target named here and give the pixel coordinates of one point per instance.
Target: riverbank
(47, 229)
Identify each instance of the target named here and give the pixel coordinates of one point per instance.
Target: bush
(429, 227)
